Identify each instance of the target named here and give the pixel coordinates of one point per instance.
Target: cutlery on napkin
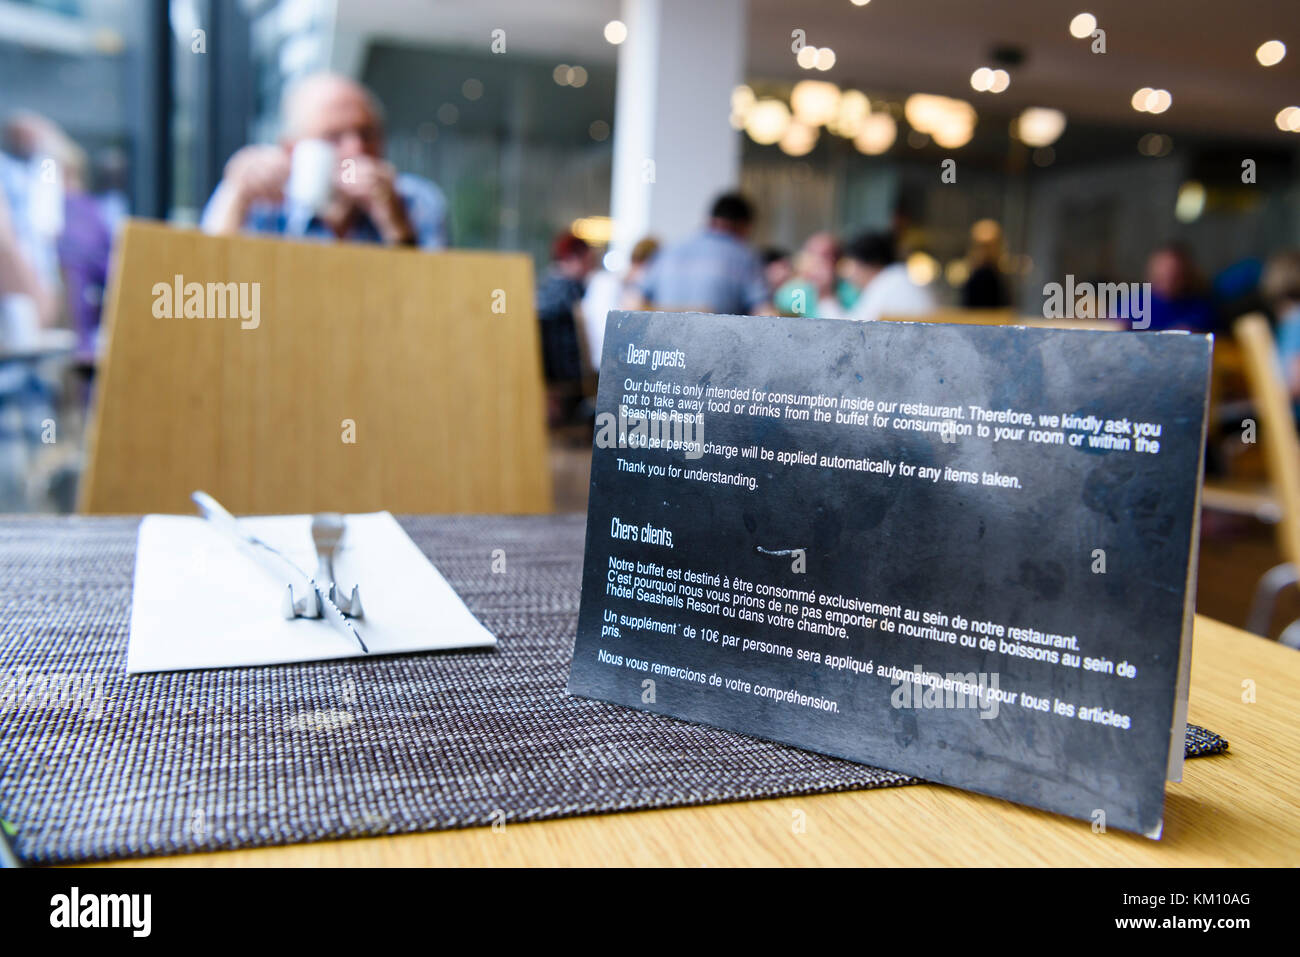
(200, 602)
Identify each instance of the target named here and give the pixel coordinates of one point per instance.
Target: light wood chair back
(1006, 317)
(373, 379)
(1276, 426)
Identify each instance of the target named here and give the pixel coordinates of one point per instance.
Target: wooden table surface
(1239, 808)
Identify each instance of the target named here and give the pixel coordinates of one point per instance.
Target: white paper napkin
(200, 602)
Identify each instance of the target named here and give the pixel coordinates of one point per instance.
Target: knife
(275, 562)
(330, 612)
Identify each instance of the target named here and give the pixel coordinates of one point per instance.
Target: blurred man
(815, 288)
(714, 270)
(778, 267)
(984, 288)
(1177, 299)
(41, 191)
(60, 224)
(871, 265)
(559, 310)
(23, 290)
(367, 199)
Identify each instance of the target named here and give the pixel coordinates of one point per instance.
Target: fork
(327, 530)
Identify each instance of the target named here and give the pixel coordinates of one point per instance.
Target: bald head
(327, 106)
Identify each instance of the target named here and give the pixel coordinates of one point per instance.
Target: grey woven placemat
(96, 764)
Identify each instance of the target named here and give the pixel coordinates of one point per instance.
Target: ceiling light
(596, 230)
(922, 110)
(1147, 100)
(1155, 144)
(1083, 25)
(815, 102)
(825, 58)
(1039, 126)
(799, 139)
(767, 121)
(1270, 53)
(853, 111)
(742, 98)
(877, 134)
(1190, 203)
(922, 268)
(950, 122)
(615, 32)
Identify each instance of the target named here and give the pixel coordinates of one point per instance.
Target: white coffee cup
(311, 174)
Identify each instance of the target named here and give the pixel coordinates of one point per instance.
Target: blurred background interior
(1108, 141)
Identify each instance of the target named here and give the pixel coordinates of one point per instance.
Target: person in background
(714, 270)
(816, 286)
(22, 287)
(643, 256)
(1177, 299)
(1280, 288)
(1236, 290)
(607, 290)
(32, 168)
(109, 172)
(984, 288)
(778, 267)
(368, 201)
(68, 218)
(559, 310)
(871, 265)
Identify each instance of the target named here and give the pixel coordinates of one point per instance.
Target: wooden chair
(1006, 317)
(372, 379)
(1243, 490)
(958, 316)
(1281, 447)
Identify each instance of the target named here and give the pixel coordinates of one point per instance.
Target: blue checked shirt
(712, 271)
(426, 208)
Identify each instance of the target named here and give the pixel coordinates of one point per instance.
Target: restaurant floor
(1235, 551)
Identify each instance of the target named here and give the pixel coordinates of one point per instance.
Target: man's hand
(253, 174)
(370, 185)
(258, 173)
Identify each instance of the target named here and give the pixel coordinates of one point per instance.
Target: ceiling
(1202, 51)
